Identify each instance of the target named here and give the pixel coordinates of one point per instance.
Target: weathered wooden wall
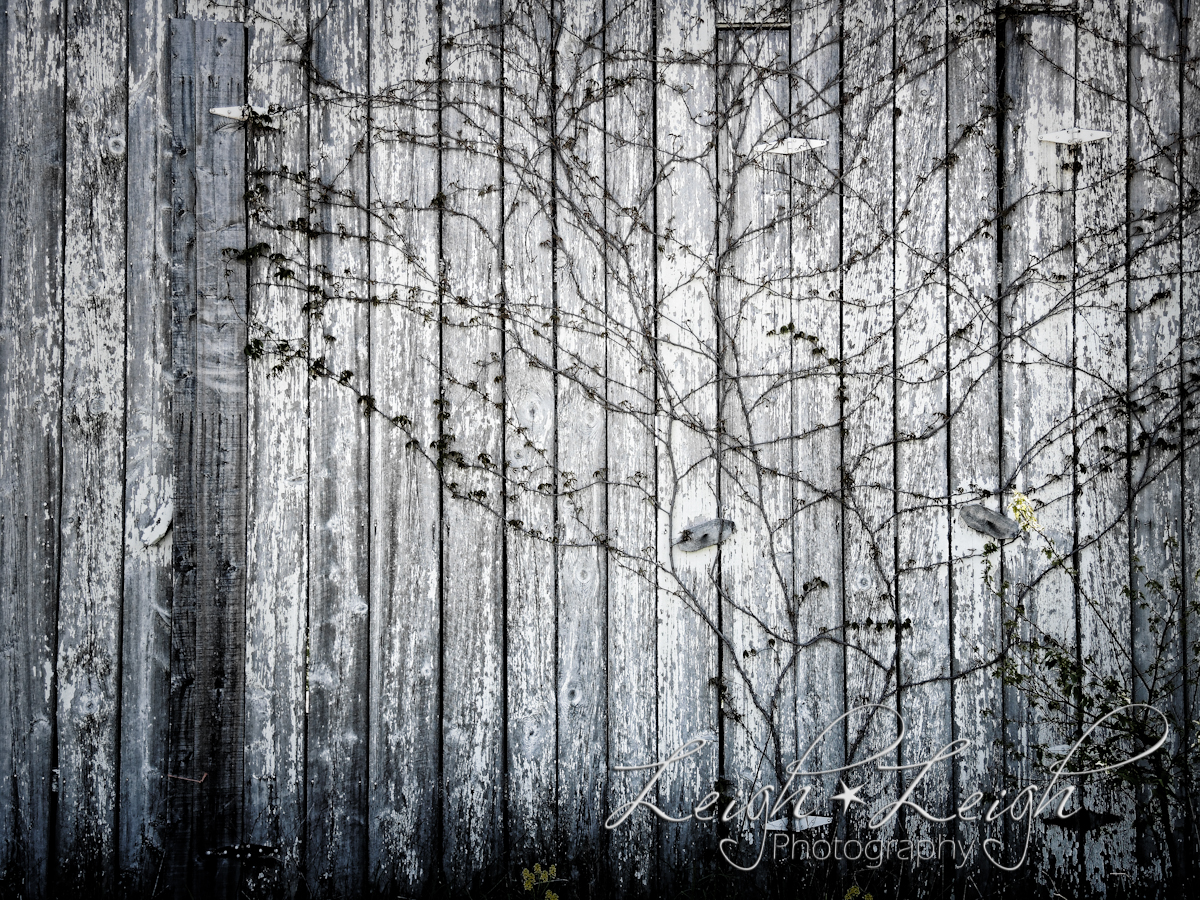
(235, 608)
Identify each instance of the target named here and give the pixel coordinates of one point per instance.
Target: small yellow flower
(550, 895)
(527, 877)
(1022, 509)
(554, 871)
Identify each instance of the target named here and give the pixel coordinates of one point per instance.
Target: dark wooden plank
(277, 443)
(339, 459)
(208, 613)
(405, 506)
(1189, 180)
(1155, 318)
(473, 747)
(689, 689)
(530, 458)
(583, 565)
(631, 466)
(31, 360)
(149, 455)
(93, 446)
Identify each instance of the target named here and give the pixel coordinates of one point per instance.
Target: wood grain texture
(530, 445)
(1038, 330)
(630, 137)
(31, 360)
(406, 533)
(1189, 181)
(973, 359)
(582, 511)
(277, 443)
(1100, 477)
(339, 457)
(689, 677)
(149, 454)
(208, 615)
(1155, 314)
(93, 445)
(817, 400)
(866, 361)
(920, 209)
(574, 184)
(755, 408)
(470, 447)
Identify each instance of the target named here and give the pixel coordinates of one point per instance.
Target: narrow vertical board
(866, 362)
(1189, 180)
(149, 455)
(1037, 323)
(581, 291)
(922, 479)
(689, 686)
(470, 446)
(755, 408)
(181, 804)
(1100, 479)
(31, 363)
(973, 360)
(93, 447)
(406, 537)
(208, 614)
(630, 284)
(530, 460)
(816, 395)
(339, 456)
(277, 442)
(1154, 345)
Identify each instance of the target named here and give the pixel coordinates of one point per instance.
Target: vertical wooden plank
(93, 440)
(973, 360)
(1100, 477)
(339, 457)
(1154, 344)
(581, 291)
(922, 486)
(181, 728)
(470, 446)
(530, 459)
(277, 453)
(866, 363)
(406, 535)
(816, 454)
(208, 616)
(1037, 323)
(630, 284)
(689, 686)
(755, 406)
(31, 360)
(1189, 181)
(149, 455)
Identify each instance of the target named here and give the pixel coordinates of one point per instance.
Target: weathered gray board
(332, 652)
